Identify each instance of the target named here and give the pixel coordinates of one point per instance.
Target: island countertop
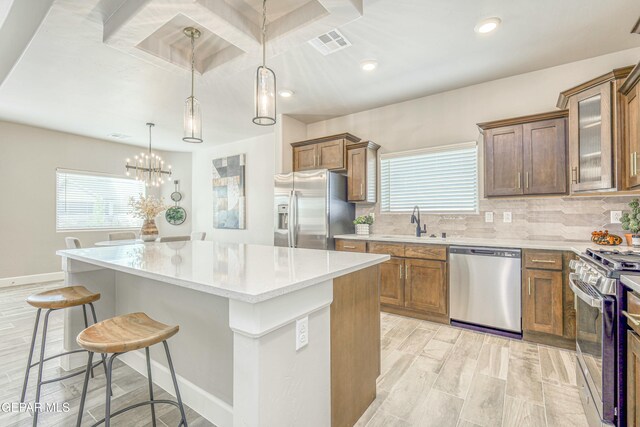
(249, 273)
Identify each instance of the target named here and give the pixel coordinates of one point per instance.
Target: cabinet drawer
(393, 249)
(351, 246)
(543, 260)
(438, 253)
(633, 308)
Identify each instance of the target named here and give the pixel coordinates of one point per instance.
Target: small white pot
(635, 240)
(362, 229)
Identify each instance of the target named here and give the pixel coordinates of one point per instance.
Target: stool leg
(39, 383)
(86, 325)
(84, 389)
(107, 408)
(33, 344)
(175, 384)
(153, 408)
(104, 357)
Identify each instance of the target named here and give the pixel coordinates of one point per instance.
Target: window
(86, 201)
(442, 180)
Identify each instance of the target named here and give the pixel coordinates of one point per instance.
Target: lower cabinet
(426, 286)
(548, 311)
(542, 301)
(392, 282)
(633, 379)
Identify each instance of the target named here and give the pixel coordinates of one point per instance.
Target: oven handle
(633, 318)
(593, 302)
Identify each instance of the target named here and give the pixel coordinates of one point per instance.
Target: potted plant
(363, 224)
(147, 208)
(631, 222)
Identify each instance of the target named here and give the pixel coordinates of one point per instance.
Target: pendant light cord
(264, 31)
(193, 60)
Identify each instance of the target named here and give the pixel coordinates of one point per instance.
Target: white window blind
(443, 180)
(86, 201)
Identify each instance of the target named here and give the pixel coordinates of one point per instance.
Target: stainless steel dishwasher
(485, 287)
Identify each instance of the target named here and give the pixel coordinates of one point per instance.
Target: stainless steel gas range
(595, 281)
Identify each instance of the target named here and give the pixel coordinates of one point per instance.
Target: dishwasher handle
(484, 251)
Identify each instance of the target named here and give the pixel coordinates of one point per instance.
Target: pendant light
(148, 167)
(265, 96)
(192, 113)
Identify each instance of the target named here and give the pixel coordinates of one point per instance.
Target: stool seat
(125, 333)
(70, 296)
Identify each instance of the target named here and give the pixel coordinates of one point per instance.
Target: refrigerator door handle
(290, 220)
(294, 218)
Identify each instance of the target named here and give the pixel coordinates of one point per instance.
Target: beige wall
(29, 157)
(259, 173)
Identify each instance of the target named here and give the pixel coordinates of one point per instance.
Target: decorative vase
(149, 231)
(362, 229)
(628, 237)
(635, 240)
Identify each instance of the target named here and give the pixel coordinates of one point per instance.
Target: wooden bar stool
(120, 335)
(52, 300)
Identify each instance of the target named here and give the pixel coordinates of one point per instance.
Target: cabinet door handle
(518, 180)
(349, 247)
(544, 261)
(526, 180)
(361, 189)
(635, 163)
(574, 173)
(529, 285)
(406, 271)
(400, 270)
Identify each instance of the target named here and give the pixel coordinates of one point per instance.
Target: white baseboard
(28, 280)
(210, 407)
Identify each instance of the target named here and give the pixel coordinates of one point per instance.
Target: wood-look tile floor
(432, 375)
(438, 375)
(16, 327)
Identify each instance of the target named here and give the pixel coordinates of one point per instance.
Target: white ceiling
(69, 80)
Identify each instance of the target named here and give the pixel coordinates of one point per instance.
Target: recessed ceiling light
(369, 65)
(286, 93)
(119, 136)
(487, 25)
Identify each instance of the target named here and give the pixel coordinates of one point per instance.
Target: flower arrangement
(363, 224)
(365, 219)
(631, 220)
(146, 207)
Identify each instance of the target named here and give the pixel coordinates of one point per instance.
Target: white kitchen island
(237, 307)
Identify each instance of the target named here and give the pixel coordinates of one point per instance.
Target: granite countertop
(575, 246)
(250, 273)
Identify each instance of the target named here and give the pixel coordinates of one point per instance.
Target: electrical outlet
(302, 332)
(615, 217)
(488, 217)
(506, 217)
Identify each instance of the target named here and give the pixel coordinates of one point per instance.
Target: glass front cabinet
(596, 133)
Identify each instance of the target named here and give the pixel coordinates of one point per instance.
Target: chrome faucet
(416, 220)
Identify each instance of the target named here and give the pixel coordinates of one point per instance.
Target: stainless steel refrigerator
(311, 207)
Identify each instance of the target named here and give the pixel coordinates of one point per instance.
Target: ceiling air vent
(330, 42)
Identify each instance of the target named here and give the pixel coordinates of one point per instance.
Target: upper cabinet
(526, 155)
(342, 153)
(631, 92)
(322, 153)
(596, 132)
(362, 164)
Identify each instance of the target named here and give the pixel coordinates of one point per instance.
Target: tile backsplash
(557, 218)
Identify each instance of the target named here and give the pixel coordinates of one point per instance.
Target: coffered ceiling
(102, 67)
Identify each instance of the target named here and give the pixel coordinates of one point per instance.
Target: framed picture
(228, 192)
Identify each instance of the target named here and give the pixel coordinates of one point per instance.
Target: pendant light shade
(265, 95)
(192, 113)
(192, 121)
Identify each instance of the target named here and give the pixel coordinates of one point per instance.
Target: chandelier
(265, 95)
(192, 113)
(148, 167)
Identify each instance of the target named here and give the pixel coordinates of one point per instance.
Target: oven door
(595, 344)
